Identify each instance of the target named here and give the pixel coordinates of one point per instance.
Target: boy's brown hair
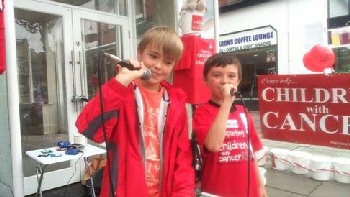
(222, 60)
(163, 38)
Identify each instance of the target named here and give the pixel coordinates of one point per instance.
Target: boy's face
(160, 64)
(217, 77)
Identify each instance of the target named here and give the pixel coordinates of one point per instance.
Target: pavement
(287, 183)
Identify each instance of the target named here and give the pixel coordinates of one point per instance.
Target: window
(338, 24)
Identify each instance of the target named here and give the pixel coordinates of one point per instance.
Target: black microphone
(234, 92)
(124, 63)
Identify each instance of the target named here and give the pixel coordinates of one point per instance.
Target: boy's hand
(126, 76)
(263, 192)
(226, 92)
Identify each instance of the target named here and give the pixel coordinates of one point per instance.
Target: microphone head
(234, 92)
(147, 75)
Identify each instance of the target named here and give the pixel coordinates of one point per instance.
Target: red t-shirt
(188, 73)
(225, 173)
(151, 135)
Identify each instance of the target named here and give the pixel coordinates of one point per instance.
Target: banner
(309, 109)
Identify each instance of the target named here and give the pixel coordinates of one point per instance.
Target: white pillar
(13, 100)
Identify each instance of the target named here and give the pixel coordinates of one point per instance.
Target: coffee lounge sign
(248, 39)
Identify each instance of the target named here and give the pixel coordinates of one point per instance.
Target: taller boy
(146, 124)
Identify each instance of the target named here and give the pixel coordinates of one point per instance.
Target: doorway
(58, 47)
(255, 62)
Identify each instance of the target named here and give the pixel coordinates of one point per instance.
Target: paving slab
(331, 189)
(275, 192)
(287, 181)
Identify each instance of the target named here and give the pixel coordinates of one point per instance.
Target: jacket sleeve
(184, 177)
(89, 122)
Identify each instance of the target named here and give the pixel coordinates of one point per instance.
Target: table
(88, 151)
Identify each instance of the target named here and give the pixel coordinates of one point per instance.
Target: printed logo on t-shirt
(232, 124)
(235, 146)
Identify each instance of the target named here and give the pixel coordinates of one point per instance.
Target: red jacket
(126, 151)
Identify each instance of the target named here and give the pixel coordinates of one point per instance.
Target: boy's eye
(169, 62)
(152, 55)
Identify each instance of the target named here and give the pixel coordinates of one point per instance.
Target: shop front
(53, 48)
(257, 50)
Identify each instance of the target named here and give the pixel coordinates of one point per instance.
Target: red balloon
(319, 58)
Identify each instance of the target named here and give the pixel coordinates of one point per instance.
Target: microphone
(234, 92)
(123, 63)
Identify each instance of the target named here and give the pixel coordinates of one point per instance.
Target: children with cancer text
(146, 124)
(221, 129)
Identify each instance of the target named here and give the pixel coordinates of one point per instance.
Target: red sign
(310, 109)
(197, 22)
(2, 39)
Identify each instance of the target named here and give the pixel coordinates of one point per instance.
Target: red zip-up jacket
(126, 150)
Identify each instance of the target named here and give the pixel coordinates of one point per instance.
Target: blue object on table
(63, 144)
(72, 152)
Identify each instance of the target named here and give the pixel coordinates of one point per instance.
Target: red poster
(309, 109)
(197, 22)
(2, 39)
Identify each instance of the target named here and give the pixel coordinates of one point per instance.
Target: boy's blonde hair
(163, 38)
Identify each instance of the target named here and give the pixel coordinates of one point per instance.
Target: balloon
(319, 58)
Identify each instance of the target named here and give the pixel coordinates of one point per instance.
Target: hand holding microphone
(146, 75)
(229, 92)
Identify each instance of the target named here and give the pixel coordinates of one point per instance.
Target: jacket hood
(175, 92)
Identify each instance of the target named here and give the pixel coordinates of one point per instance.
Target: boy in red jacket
(222, 131)
(146, 124)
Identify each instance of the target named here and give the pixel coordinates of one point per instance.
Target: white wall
(300, 24)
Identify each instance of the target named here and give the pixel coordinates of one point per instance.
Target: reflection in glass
(342, 64)
(118, 7)
(150, 13)
(99, 38)
(40, 62)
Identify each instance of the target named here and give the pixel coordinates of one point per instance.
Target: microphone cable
(99, 73)
(75, 171)
(248, 141)
(9, 187)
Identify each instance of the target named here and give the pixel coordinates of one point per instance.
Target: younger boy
(146, 124)
(222, 130)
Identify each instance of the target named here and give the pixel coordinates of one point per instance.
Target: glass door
(93, 36)
(58, 47)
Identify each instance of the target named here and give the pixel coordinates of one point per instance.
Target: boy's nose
(225, 79)
(158, 64)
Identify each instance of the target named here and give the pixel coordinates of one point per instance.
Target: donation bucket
(320, 167)
(261, 156)
(80, 139)
(191, 22)
(300, 162)
(280, 158)
(262, 172)
(342, 169)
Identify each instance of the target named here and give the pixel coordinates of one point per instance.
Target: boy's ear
(138, 54)
(205, 80)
